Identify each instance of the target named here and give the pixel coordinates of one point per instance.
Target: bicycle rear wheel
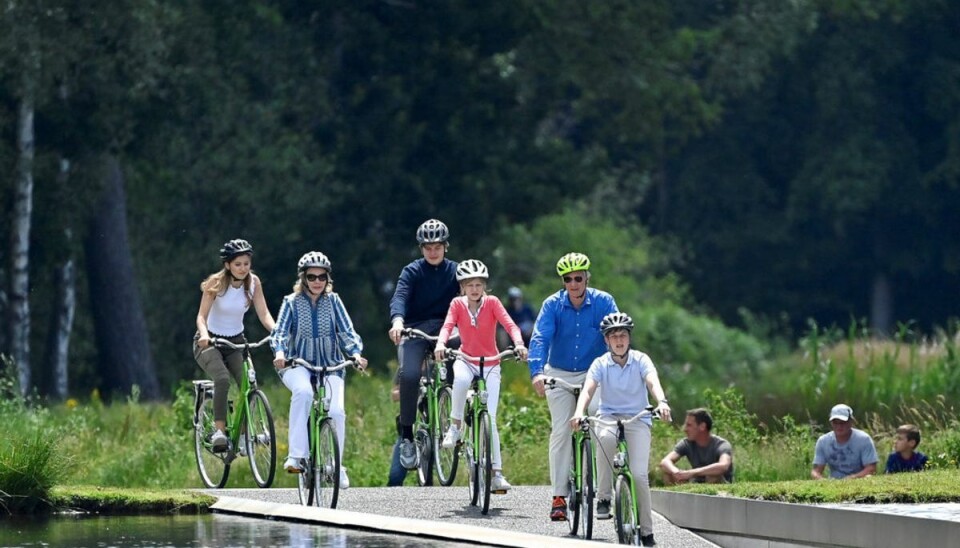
(213, 467)
(574, 493)
(261, 449)
(446, 460)
(587, 493)
(626, 512)
(424, 442)
(326, 471)
(484, 463)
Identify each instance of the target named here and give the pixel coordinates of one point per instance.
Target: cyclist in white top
(227, 295)
(626, 377)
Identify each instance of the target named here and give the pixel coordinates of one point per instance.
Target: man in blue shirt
(566, 339)
(420, 300)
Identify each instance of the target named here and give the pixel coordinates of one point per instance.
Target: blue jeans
(397, 473)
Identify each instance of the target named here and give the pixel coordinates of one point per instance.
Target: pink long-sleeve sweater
(479, 338)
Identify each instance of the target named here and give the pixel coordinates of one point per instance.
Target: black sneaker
(647, 540)
(603, 509)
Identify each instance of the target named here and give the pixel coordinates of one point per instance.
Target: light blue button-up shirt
(623, 390)
(566, 337)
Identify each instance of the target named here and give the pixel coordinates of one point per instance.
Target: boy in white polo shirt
(627, 377)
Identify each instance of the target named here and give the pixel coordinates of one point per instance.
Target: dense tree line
(784, 157)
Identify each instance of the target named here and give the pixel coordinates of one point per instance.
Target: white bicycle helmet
(432, 231)
(314, 259)
(471, 268)
(616, 320)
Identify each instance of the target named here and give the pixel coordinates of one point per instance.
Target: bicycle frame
(239, 422)
(621, 466)
(580, 500)
(479, 464)
(312, 479)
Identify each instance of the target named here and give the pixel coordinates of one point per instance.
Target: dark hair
(702, 416)
(911, 431)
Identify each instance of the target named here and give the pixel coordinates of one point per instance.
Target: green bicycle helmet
(572, 262)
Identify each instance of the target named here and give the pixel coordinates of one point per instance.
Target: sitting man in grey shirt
(711, 457)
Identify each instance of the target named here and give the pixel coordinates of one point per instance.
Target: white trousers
(463, 374)
(297, 380)
(638, 447)
(562, 404)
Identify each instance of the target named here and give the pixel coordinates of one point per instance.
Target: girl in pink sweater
(476, 315)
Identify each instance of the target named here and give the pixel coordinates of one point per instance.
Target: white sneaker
(242, 445)
(292, 465)
(219, 441)
(344, 480)
(499, 484)
(451, 438)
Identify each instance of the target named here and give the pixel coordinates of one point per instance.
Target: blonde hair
(218, 282)
(463, 284)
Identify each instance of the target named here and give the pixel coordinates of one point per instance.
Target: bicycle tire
(626, 512)
(484, 462)
(423, 442)
(213, 467)
(326, 470)
(260, 439)
(574, 492)
(446, 460)
(587, 486)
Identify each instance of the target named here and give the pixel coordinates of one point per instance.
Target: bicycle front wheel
(574, 493)
(484, 462)
(326, 471)
(261, 446)
(423, 442)
(213, 467)
(446, 460)
(587, 493)
(628, 531)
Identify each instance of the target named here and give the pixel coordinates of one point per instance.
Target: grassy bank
(149, 445)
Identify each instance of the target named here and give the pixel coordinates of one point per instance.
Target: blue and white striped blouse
(310, 332)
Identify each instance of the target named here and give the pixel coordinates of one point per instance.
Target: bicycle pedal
(498, 492)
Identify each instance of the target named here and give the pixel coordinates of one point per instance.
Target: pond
(182, 531)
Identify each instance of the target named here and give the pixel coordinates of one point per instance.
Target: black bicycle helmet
(432, 231)
(314, 259)
(616, 320)
(234, 248)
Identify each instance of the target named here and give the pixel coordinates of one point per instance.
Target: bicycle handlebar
(300, 362)
(649, 411)
(458, 354)
(228, 344)
(417, 334)
(551, 382)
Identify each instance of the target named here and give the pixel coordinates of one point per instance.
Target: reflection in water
(183, 531)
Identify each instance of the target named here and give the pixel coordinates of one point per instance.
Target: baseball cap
(841, 411)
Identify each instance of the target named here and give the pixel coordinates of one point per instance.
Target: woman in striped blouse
(313, 325)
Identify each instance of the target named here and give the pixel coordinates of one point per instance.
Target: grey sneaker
(499, 484)
(603, 509)
(219, 441)
(408, 455)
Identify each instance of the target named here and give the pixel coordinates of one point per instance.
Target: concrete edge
(746, 522)
(346, 519)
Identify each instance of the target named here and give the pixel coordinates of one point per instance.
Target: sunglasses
(568, 279)
(316, 277)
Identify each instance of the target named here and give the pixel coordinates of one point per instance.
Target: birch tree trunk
(19, 301)
(62, 311)
(123, 344)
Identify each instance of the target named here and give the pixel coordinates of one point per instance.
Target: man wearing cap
(848, 451)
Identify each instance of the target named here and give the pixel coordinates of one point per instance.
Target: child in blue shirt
(905, 457)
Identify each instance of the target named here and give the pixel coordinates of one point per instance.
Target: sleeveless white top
(226, 314)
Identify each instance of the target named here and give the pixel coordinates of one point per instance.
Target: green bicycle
(478, 432)
(433, 419)
(250, 428)
(318, 483)
(582, 479)
(627, 508)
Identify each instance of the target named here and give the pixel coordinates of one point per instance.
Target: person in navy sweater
(420, 300)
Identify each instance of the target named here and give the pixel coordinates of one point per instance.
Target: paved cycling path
(522, 511)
